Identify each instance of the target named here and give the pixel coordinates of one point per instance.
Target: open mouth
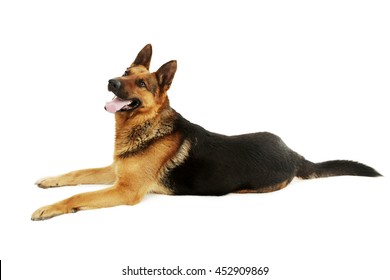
(121, 105)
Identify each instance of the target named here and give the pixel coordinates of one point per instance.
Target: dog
(159, 151)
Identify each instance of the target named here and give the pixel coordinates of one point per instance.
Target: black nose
(114, 85)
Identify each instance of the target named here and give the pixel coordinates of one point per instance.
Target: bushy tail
(310, 170)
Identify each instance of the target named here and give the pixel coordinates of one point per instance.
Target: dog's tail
(331, 168)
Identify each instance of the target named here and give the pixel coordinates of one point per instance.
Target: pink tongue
(116, 104)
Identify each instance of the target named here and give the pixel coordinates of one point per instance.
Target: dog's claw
(47, 182)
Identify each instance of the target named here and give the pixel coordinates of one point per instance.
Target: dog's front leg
(118, 194)
(104, 175)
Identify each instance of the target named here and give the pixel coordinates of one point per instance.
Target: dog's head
(139, 91)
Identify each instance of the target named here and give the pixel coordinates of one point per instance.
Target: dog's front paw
(48, 182)
(47, 212)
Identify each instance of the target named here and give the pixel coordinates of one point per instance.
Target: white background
(314, 72)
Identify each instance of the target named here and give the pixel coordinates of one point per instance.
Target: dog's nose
(114, 85)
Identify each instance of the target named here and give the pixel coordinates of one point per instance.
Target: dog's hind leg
(267, 189)
(104, 175)
(275, 187)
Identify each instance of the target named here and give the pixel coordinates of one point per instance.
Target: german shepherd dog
(159, 151)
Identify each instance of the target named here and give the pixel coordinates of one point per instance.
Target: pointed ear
(165, 74)
(144, 57)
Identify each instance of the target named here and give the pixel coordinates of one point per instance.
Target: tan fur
(104, 176)
(135, 177)
(132, 133)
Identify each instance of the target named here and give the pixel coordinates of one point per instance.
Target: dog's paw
(48, 182)
(47, 212)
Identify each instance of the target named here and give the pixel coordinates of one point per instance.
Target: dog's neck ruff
(132, 139)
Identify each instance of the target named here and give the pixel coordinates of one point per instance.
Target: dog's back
(219, 164)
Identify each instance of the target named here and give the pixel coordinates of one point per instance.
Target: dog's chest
(147, 168)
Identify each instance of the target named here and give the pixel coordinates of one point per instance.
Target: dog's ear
(144, 56)
(165, 74)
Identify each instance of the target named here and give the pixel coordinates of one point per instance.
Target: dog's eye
(141, 83)
(126, 73)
